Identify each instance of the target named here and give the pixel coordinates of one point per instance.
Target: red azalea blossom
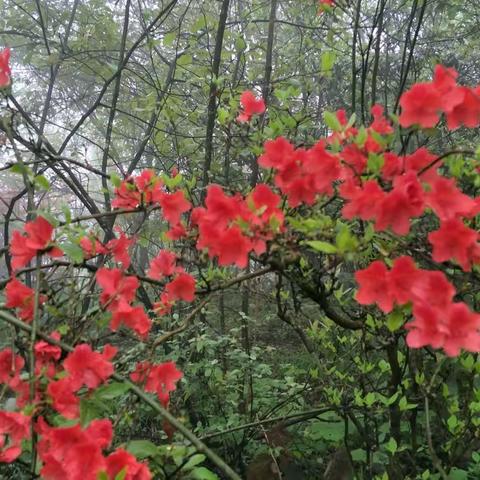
(64, 400)
(15, 427)
(372, 282)
(10, 367)
(173, 205)
(132, 317)
(37, 239)
(176, 232)
(251, 106)
(447, 201)
(160, 379)
(116, 287)
(5, 68)
(421, 105)
(164, 306)
(22, 297)
(46, 356)
(120, 461)
(141, 190)
(455, 241)
(118, 248)
(163, 265)
(73, 452)
(453, 328)
(182, 287)
(405, 201)
(89, 368)
(91, 247)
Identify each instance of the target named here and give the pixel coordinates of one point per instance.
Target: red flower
(453, 240)
(5, 68)
(37, 239)
(380, 124)
(453, 328)
(182, 287)
(64, 400)
(176, 232)
(122, 461)
(73, 452)
(251, 106)
(117, 288)
(277, 153)
(143, 189)
(447, 201)
(164, 306)
(468, 111)
(405, 201)
(15, 427)
(173, 205)
(22, 297)
(127, 196)
(163, 265)
(133, 317)
(373, 286)
(91, 247)
(445, 81)
(160, 379)
(46, 356)
(118, 247)
(10, 366)
(89, 368)
(421, 105)
(363, 202)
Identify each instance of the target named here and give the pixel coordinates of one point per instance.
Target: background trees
(105, 89)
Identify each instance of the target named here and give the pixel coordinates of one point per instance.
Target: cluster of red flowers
(180, 287)
(160, 379)
(118, 293)
(230, 227)
(251, 106)
(437, 320)
(117, 247)
(425, 102)
(76, 453)
(147, 189)
(36, 239)
(375, 184)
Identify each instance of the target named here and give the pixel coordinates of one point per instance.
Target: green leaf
(115, 180)
(185, 60)
(169, 38)
(392, 446)
(112, 390)
(142, 448)
(42, 182)
(222, 116)
(194, 461)
(240, 43)
(332, 121)
(122, 474)
(345, 241)
(404, 405)
(202, 473)
(375, 162)
(90, 410)
(73, 251)
(395, 320)
(21, 169)
(323, 247)
(328, 61)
